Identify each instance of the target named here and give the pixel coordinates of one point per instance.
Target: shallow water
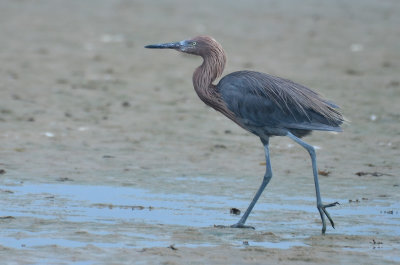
(77, 215)
(82, 100)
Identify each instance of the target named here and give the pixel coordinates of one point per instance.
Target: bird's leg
(321, 207)
(266, 179)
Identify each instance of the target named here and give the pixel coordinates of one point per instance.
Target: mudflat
(107, 156)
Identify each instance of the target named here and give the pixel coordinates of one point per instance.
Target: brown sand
(83, 103)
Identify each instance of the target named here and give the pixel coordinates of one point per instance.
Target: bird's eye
(194, 43)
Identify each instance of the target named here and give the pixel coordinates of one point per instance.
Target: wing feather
(263, 100)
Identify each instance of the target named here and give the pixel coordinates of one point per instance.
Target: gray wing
(262, 100)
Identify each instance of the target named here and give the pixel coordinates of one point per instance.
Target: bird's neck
(204, 76)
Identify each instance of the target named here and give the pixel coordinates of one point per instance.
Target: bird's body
(262, 104)
(272, 106)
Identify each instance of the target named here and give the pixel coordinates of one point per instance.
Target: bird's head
(200, 45)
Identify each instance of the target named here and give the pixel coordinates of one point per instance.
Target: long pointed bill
(171, 45)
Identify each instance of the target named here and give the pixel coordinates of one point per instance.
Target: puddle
(78, 203)
(280, 245)
(79, 215)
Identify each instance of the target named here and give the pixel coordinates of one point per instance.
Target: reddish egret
(262, 104)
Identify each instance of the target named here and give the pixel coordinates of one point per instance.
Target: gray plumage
(272, 105)
(263, 104)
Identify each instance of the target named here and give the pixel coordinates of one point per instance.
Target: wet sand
(107, 156)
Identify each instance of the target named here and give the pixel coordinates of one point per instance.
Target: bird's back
(270, 105)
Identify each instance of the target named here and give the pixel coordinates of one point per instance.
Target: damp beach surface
(107, 156)
(89, 224)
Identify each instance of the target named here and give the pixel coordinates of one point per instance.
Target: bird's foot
(322, 211)
(239, 225)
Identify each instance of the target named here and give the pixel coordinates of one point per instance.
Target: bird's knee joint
(311, 150)
(267, 177)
